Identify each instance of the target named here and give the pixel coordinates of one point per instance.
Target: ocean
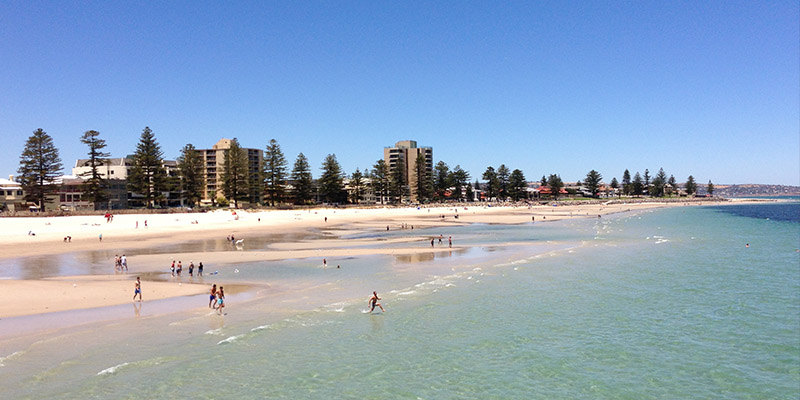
(684, 302)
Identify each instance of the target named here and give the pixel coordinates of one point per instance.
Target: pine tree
(459, 178)
(397, 183)
(593, 179)
(147, 176)
(236, 182)
(331, 183)
(380, 180)
(673, 184)
(39, 166)
(646, 187)
(710, 188)
(637, 185)
(492, 186)
(424, 185)
(626, 183)
(470, 193)
(94, 187)
(691, 186)
(190, 171)
(302, 180)
(615, 185)
(441, 182)
(356, 186)
(556, 184)
(659, 182)
(543, 182)
(517, 185)
(502, 181)
(274, 172)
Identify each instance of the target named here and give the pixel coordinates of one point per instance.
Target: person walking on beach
(373, 301)
(124, 262)
(431, 242)
(200, 269)
(137, 289)
(172, 268)
(450, 241)
(220, 300)
(213, 296)
(191, 268)
(179, 268)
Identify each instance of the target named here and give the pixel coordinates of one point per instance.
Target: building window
(112, 172)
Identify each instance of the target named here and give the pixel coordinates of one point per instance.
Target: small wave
(230, 339)
(112, 370)
(260, 328)
(10, 357)
(217, 331)
(406, 293)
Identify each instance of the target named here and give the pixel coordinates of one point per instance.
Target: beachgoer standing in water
(373, 301)
(137, 289)
(213, 295)
(220, 300)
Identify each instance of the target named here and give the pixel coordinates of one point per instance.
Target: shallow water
(662, 304)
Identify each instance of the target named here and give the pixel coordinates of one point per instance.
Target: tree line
(40, 165)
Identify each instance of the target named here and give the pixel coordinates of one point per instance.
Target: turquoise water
(663, 304)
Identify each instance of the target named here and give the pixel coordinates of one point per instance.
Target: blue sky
(710, 89)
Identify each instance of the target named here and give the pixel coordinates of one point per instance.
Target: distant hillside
(749, 190)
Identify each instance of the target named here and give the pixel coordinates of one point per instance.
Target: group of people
(449, 240)
(216, 300)
(177, 270)
(120, 262)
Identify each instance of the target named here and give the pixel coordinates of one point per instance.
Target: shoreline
(42, 296)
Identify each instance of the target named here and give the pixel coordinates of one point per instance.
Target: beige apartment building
(213, 162)
(12, 198)
(405, 153)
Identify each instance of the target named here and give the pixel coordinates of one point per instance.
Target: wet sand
(37, 296)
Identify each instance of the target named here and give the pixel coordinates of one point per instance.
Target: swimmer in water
(373, 301)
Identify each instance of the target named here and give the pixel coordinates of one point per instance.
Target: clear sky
(707, 88)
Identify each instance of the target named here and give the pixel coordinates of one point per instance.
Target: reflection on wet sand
(99, 262)
(428, 256)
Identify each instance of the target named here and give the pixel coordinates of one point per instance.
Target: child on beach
(220, 300)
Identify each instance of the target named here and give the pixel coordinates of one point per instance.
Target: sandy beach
(306, 234)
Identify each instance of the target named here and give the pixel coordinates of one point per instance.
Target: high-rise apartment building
(213, 162)
(404, 154)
